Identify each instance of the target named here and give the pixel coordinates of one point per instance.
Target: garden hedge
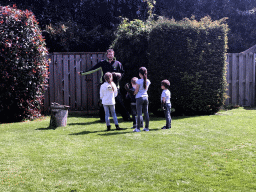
(23, 65)
(189, 53)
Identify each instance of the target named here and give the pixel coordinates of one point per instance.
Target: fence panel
(241, 79)
(67, 87)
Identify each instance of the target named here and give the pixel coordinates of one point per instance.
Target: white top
(107, 94)
(142, 92)
(167, 94)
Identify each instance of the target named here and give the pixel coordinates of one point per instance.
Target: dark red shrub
(23, 65)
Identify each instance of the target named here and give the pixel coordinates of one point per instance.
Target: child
(131, 97)
(108, 92)
(142, 98)
(166, 102)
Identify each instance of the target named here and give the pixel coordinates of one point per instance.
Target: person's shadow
(86, 123)
(48, 128)
(106, 133)
(85, 132)
(69, 124)
(109, 133)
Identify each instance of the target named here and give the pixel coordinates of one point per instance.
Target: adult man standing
(116, 68)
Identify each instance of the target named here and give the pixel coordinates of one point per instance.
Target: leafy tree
(240, 13)
(88, 25)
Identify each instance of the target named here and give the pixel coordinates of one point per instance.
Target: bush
(23, 65)
(131, 46)
(191, 55)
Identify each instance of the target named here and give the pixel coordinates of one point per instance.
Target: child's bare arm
(163, 103)
(137, 89)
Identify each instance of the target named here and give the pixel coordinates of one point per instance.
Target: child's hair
(134, 79)
(109, 78)
(165, 83)
(143, 71)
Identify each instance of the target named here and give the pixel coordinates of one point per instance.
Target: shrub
(23, 65)
(191, 55)
(130, 47)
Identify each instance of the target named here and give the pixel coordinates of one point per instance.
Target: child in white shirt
(108, 92)
(166, 103)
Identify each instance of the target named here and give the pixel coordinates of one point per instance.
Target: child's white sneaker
(136, 130)
(145, 129)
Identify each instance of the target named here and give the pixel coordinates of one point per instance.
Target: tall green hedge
(23, 65)
(191, 55)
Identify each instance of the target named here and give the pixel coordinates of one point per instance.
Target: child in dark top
(131, 97)
(166, 103)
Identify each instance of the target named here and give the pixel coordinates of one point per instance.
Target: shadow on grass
(85, 132)
(87, 123)
(88, 132)
(109, 133)
(45, 129)
(250, 108)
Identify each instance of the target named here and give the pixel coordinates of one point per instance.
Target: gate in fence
(81, 93)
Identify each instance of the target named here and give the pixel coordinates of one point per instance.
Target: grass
(203, 153)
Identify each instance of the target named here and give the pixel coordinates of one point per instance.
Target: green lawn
(203, 153)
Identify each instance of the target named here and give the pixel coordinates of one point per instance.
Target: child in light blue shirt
(141, 93)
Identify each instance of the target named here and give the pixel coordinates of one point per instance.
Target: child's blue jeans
(168, 115)
(142, 104)
(110, 108)
(134, 114)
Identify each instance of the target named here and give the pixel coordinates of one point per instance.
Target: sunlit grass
(205, 153)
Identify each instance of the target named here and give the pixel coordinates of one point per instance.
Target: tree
(241, 17)
(89, 24)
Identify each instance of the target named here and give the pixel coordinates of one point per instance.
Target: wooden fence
(81, 93)
(241, 79)
(67, 87)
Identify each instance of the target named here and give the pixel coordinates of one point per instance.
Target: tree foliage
(23, 65)
(82, 25)
(240, 13)
(90, 24)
